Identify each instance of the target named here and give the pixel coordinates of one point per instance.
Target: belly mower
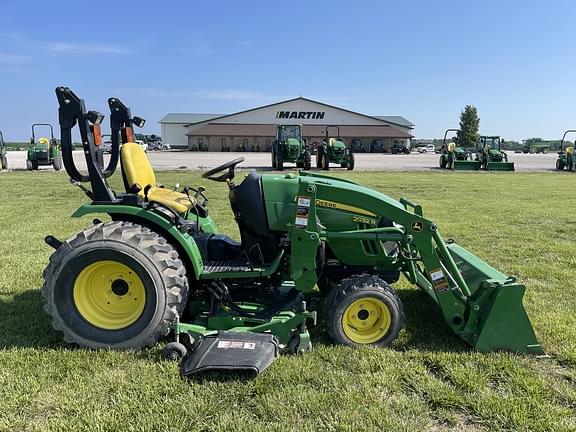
(161, 267)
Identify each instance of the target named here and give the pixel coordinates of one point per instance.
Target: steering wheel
(230, 166)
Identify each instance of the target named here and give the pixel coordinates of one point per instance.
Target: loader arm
(481, 305)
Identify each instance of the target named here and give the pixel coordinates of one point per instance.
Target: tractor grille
(236, 265)
(41, 155)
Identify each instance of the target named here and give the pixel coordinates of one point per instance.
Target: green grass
(523, 224)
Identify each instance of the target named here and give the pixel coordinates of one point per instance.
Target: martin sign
(300, 115)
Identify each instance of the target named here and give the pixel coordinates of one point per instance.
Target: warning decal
(225, 344)
(439, 280)
(302, 211)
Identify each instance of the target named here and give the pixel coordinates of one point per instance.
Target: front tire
(307, 160)
(4, 163)
(559, 164)
(115, 285)
(363, 310)
(325, 162)
(319, 156)
(57, 163)
(350, 163)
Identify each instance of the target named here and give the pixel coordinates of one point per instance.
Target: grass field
(523, 224)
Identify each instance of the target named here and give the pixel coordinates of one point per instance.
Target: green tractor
(454, 157)
(290, 146)
(491, 156)
(159, 266)
(334, 150)
(44, 151)
(3, 158)
(566, 158)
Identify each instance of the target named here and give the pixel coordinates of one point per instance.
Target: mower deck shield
(231, 351)
(496, 319)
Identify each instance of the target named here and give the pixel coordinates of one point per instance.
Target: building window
(200, 141)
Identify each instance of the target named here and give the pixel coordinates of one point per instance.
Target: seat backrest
(136, 168)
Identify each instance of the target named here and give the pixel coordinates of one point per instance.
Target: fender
(183, 241)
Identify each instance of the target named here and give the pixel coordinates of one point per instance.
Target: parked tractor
(158, 264)
(566, 158)
(399, 147)
(3, 158)
(43, 151)
(289, 146)
(454, 157)
(334, 150)
(491, 156)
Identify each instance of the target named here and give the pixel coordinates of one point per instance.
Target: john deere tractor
(43, 151)
(454, 157)
(334, 150)
(566, 158)
(158, 266)
(3, 158)
(491, 156)
(289, 146)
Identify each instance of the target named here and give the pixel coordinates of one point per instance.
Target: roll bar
(564, 137)
(72, 112)
(43, 124)
(446, 134)
(332, 126)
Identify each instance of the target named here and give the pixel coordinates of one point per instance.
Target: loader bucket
(500, 166)
(497, 320)
(466, 165)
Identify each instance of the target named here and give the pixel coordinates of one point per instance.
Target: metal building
(254, 129)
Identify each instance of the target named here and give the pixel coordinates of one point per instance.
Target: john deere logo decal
(417, 226)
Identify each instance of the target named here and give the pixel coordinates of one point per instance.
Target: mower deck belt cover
(231, 351)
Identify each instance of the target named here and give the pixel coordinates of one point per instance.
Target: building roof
(399, 120)
(188, 118)
(264, 130)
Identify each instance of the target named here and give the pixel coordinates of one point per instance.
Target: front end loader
(290, 146)
(161, 267)
(566, 158)
(490, 155)
(43, 151)
(3, 158)
(334, 150)
(456, 158)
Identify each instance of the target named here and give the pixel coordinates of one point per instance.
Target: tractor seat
(136, 170)
(331, 142)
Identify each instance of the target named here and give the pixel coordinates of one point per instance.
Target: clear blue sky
(514, 60)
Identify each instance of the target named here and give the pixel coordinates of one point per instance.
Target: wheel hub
(366, 320)
(109, 295)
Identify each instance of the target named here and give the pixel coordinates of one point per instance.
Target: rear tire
(279, 163)
(363, 310)
(319, 156)
(273, 158)
(559, 164)
(4, 163)
(442, 162)
(115, 285)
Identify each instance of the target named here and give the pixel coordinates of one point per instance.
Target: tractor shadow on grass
(23, 322)
(424, 326)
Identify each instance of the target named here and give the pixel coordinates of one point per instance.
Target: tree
(469, 125)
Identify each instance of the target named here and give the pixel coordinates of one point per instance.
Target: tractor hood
(341, 204)
(293, 144)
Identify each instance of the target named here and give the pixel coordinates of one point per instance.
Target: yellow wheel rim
(109, 295)
(366, 320)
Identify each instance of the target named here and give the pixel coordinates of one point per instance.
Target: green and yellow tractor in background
(290, 146)
(158, 264)
(455, 157)
(490, 155)
(43, 151)
(334, 150)
(566, 158)
(3, 158)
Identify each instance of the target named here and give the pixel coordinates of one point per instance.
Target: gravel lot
(364, 161)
